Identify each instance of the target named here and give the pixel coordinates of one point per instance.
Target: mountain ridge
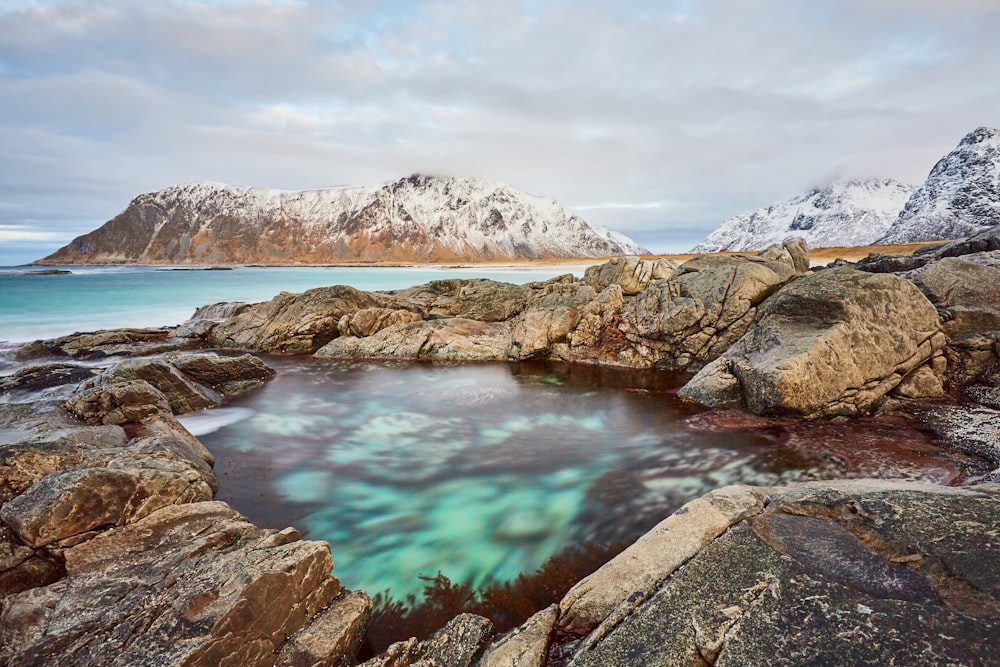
(419, 218)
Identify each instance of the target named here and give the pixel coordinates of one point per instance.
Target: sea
(478, 471)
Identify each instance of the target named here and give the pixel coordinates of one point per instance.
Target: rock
(368, 321)
(108, 343)
(454, 339)
(181, 393)
(694, 316)
(627, 580)
(526, 646)
(794, 252)
(879, 263)
(548, 318)
(630, 273)
(965, 290)
(68, 505)
(458, 644)
(228, 375)
(218, 312)
(45, 376)
(831, 343)
(332, 637)
(985, 241)
(293, 322)
(119, 403)
(822, 565)
(22, 567)
(474, 299)
(192, 584)
(921, 383)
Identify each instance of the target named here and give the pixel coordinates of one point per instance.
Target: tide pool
(483, 471)
(35, 304)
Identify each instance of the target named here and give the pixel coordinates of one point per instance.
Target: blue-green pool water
(484, 471)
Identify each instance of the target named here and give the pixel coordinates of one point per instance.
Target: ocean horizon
(40, 301)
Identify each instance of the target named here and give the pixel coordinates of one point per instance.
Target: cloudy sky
(658, 119)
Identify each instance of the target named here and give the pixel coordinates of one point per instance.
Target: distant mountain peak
(846, 213)
(418, 218)
(960, 197)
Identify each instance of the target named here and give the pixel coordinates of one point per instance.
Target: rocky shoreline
(113, 552)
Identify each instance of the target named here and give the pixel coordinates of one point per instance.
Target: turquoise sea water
(34, 305)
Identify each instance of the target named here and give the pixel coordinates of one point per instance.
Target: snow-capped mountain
(851, 213)
(960, 197)
(414, 219)
(628, 245)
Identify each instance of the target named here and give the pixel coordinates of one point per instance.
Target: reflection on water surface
(484, 471)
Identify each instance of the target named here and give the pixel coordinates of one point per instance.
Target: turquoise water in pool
(479, 471)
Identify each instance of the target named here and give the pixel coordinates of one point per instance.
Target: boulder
(630, 273)
(548, 317)
(118, 403)
(794, 252)
(474, 299)
(293, 322)
(965, 290)
(335, 634)
(833, 342)
(192, 584)
(227, 375)
(182, 394)
(694, 316)
(525, 646)
(863, 572)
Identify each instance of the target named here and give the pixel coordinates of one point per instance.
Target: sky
(656, 119)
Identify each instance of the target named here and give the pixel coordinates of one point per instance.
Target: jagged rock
(293, 322)
(181, 393)
(630, 273)
(458, 644)
(800, 580)
(526, 646)
(965, 290)
(454, 339)
(22, 567)
(879, 263)
(475, 299)
(552, 313)
(985, 241)
(694, 316)
(217, 312)
(45, 376)
(228, 375)
(794, 252)
(368, 321)
(118, 403)
(63, 506)
(332, 638)
(830, 343)
(192, 584)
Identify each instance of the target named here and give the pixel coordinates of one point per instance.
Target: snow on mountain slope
(415, 219)
(852, 213)
(628, 245)
(960, 197)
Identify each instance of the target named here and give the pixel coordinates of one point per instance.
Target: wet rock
(819, 567)
(22, 567)
(192, 584)
(630, 273)
(108, 343)
(332, 638)
(293, 322)
(46, 376)
(694, 316)
(831, 343)
(526, 646)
